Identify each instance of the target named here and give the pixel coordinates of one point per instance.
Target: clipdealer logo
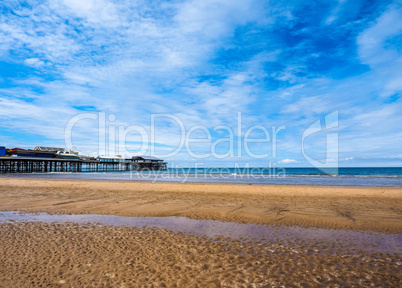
(112, 138)
(328, 124)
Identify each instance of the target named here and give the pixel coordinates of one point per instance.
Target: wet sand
(38, 254)
(375, 209)
(69, 255)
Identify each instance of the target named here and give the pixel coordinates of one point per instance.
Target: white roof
(54, 149)
(104, 157)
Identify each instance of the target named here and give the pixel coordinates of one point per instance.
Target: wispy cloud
(277, 63)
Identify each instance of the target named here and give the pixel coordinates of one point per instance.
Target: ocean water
(363, 177)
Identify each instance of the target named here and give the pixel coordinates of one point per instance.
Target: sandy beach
(375, 209)
(69, 255)
(37, 254)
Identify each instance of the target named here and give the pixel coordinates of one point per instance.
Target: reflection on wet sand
(328, 240)
(36, 253)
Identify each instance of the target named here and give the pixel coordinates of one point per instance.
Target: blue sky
(277, 63)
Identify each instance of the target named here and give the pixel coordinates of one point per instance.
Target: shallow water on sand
(314, 240)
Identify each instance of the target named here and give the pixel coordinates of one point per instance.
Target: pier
(44, 165)
(52, 159)
(47, 165)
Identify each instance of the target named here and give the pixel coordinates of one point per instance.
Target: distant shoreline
(391, 178)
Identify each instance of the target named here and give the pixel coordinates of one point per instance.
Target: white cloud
(34, 62)
(95, 12)
(386, 59)
(334, 14)
(310, 105)
(288, 161)
(371, 41)
(48, 39)
(212, 19)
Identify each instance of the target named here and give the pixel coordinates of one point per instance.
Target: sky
(219, 83)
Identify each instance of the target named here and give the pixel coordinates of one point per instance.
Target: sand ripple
(71, 255)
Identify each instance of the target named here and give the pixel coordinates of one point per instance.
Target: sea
(359, 177)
